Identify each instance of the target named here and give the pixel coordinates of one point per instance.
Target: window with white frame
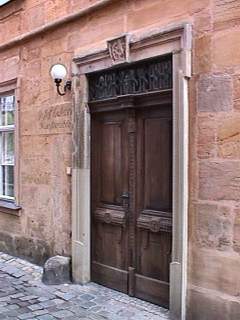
(2, 2)
(7, 126)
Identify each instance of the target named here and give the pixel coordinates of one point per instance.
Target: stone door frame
(175, 40)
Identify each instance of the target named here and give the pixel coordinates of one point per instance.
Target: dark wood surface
(131, 205)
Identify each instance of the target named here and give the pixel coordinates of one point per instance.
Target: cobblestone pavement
(24, 296)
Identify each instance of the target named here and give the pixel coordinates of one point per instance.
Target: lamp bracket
(67, 86)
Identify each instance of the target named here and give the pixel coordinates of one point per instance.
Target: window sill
(10, 8)
(3, 2)
(10, 208)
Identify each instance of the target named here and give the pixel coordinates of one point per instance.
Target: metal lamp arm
(66, 87)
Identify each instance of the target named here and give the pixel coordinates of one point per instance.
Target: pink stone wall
(45, 133)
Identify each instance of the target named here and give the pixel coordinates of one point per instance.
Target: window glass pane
(7, 110)
(8, 181)
(7, 148)
(2, 2)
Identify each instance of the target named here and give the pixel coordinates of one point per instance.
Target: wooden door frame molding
(175, 40)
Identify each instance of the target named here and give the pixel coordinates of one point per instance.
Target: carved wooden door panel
(109, 203)
(132, 198)
(154, 203)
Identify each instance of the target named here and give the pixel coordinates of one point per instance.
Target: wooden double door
(131, 190)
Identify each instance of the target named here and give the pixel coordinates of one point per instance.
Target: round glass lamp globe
(58, 71)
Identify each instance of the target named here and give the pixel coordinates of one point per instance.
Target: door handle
(125, 195)
(125, 199)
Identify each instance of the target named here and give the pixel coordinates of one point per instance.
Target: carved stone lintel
(151, 76)
(119, 49)
(110, 216)
(154, 224)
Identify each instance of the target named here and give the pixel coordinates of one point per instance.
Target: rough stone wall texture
(45, 133)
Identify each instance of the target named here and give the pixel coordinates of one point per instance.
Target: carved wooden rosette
(110, 216)
(113, 217)
(154, 224)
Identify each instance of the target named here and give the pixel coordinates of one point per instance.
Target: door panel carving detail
(155, 224)
(106, 215)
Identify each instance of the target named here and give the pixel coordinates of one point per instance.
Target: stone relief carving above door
(119, 49)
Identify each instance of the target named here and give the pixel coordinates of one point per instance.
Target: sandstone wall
(45, 133)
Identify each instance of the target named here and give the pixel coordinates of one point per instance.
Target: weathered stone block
(164, 12)
(235, 310)
(34, 250)
(56, 270)
(206, 137)
(214, 93)
(237, 105)
(202, 55)
(206, 305)
(236, 231)
(53, 10)
(213, 226)
(34, 17)
(236, 87)
(228, 135)
(9, 68)
(219, 180)
(202, 21)
(225, 46)
(11, 27)
(225, 13)
(215, 270)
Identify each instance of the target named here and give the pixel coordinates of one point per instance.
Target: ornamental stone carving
(150, 76)
(119, 49)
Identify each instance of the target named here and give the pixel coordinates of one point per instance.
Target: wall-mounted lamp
(58, 72)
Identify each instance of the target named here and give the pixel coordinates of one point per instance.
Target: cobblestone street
(24, 296)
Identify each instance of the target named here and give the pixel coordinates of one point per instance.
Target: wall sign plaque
(144, 77)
